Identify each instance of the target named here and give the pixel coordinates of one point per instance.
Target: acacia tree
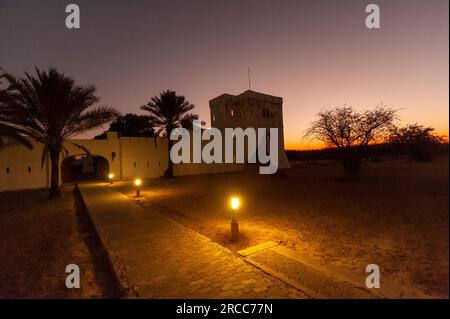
(51, 109)
(167, 112)
(414, 133)
(418, 140)
(351, 132)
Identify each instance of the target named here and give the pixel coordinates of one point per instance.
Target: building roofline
(247, 94)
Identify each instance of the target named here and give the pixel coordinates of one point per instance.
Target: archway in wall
(77, 168)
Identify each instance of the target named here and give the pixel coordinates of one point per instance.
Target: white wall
(134, 157)
(131, 157)
(15, 162)
(142, 158)
(128, 158)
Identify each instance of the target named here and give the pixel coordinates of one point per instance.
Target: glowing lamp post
(111, 177)
(138, 183)
(234, 221)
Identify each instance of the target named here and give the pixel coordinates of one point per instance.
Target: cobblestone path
(156, 257)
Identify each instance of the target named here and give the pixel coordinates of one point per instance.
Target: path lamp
(138, 183)
(111, 177)
(234, 202)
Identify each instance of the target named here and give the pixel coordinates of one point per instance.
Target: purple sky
(312, 53)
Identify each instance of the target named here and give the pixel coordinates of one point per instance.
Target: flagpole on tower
(249, 79)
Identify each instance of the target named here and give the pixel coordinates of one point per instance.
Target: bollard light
(234, 203)
(111, 176)
(138, 183)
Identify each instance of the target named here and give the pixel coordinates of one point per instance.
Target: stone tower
(250, 109)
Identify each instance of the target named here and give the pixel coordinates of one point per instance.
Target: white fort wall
(131, 157)
(250, 110)
(128, 158)
(202, 168)
(142, 157)
(20, 168)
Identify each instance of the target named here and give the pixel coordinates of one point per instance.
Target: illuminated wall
(250, 109)
(145, 157)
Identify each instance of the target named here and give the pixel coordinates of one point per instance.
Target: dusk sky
(314, 54)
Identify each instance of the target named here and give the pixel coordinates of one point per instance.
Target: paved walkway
(156, 257)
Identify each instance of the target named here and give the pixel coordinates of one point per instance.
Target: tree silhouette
(414, 134)
(51, 108)
(187, 121)
(10, 131)
(167, 112)
(418, 140)
(350, 132)
(131, 125)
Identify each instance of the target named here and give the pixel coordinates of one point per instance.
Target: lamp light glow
(111, 176)
(234, 203)
(138, 183)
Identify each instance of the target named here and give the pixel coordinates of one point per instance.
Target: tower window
(134, 164)
(29, 169)
(232, 113)
(7, 170)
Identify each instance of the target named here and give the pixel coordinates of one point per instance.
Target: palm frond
(81, 147)
(49, 107)
(168, 111)
(15, 134)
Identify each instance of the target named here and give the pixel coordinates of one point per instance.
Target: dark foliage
(351, 132)
(418, 141)
(167, 112)
(130, 125)
(50, 108)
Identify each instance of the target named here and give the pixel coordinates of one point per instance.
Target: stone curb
(113, 259)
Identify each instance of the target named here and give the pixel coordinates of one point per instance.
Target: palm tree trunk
(54, 177)
(169, 170)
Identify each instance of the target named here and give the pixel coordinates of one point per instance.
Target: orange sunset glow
(313, 54)
(225, 157)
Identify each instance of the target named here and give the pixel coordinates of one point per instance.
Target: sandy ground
(395, 215)
(38, 238)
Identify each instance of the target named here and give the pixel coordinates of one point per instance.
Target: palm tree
(167, 112)
(12, 133)
(51, 109)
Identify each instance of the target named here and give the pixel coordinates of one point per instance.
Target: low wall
(128, 158)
